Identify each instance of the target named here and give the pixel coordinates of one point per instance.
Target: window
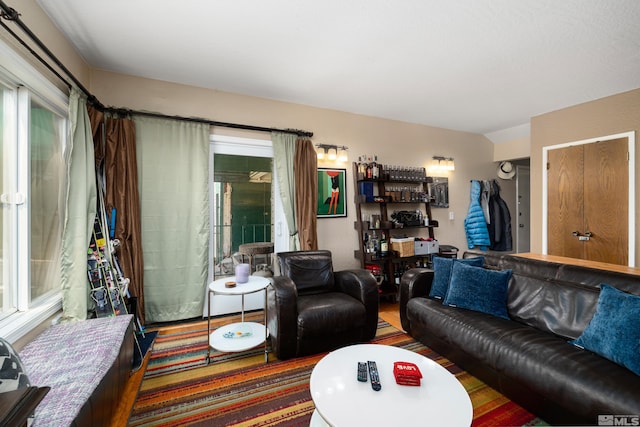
(33, 124)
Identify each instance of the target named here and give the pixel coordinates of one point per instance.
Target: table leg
(266, 329)
(208, 326)
(242, 312)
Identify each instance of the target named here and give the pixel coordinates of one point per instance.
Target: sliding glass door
(242, 208)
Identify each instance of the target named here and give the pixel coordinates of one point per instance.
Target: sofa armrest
(415, 282)
(282, 316)
(361, 285)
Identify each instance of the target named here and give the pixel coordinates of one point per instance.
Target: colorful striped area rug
(180, 389)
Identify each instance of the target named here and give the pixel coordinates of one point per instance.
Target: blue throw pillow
(442, 273)
(614, 330)
(479, 289)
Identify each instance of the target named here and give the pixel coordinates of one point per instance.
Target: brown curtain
(306, 179)
(115, 153)
(121, 176)
(97, 130)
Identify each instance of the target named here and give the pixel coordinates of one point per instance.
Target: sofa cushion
(12, 373)
(614, 330)
(442, 268)
(478, 289)
(329, 313)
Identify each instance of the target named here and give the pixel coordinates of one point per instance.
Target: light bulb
(343, 157)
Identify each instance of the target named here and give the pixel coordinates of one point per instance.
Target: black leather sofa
(528, 357)
(312, 309)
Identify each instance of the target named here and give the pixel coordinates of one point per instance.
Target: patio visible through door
(242, 205)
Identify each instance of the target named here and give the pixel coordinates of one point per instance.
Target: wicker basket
(404, 247)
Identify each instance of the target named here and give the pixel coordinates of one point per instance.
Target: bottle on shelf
(375, 169)
(374, 244)
(384, 246)
(362, 167)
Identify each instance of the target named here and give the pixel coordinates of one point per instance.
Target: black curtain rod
(11, 14)
(126, 112)
(35, 54)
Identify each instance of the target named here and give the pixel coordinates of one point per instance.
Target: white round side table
(239, 336)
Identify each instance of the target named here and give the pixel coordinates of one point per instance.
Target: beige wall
(394, 142)
(606, 116)
(515, 149)
(38, 22)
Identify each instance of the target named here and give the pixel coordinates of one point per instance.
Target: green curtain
(80, 210)
(173, 162)
(284, 152)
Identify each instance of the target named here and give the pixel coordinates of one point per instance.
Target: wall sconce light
(343, 157)
(332, 152)
(442, 164)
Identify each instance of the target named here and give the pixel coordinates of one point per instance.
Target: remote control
(373, 374)
(362, 372)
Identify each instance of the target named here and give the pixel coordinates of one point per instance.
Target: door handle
(583, 238)
(587, 235)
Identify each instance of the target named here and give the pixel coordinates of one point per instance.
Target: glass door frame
(221, 144)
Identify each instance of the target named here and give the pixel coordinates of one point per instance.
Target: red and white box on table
(407, 373)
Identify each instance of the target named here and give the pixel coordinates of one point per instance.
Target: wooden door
(588, 201)
(606, 203)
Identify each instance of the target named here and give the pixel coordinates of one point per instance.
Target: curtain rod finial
(9, 13)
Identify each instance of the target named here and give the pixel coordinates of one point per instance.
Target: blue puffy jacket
(475, 225)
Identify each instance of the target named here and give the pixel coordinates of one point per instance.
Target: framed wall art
(332, 193)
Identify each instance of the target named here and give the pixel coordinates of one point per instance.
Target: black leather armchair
(312, 309)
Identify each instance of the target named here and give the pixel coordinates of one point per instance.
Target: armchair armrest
(282, 297)
(361, 285)
(416, 282)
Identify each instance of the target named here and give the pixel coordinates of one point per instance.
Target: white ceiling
(481, 66)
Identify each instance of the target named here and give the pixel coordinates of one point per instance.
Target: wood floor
(388, 312)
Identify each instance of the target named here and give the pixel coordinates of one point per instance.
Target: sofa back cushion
(311, 271)
(561, 308)
(558, 298)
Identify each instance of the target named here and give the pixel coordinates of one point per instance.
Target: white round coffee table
(341, 400)
(239, 336)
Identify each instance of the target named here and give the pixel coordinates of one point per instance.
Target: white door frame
(523, 238)
(631, 138)
(220, 144)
